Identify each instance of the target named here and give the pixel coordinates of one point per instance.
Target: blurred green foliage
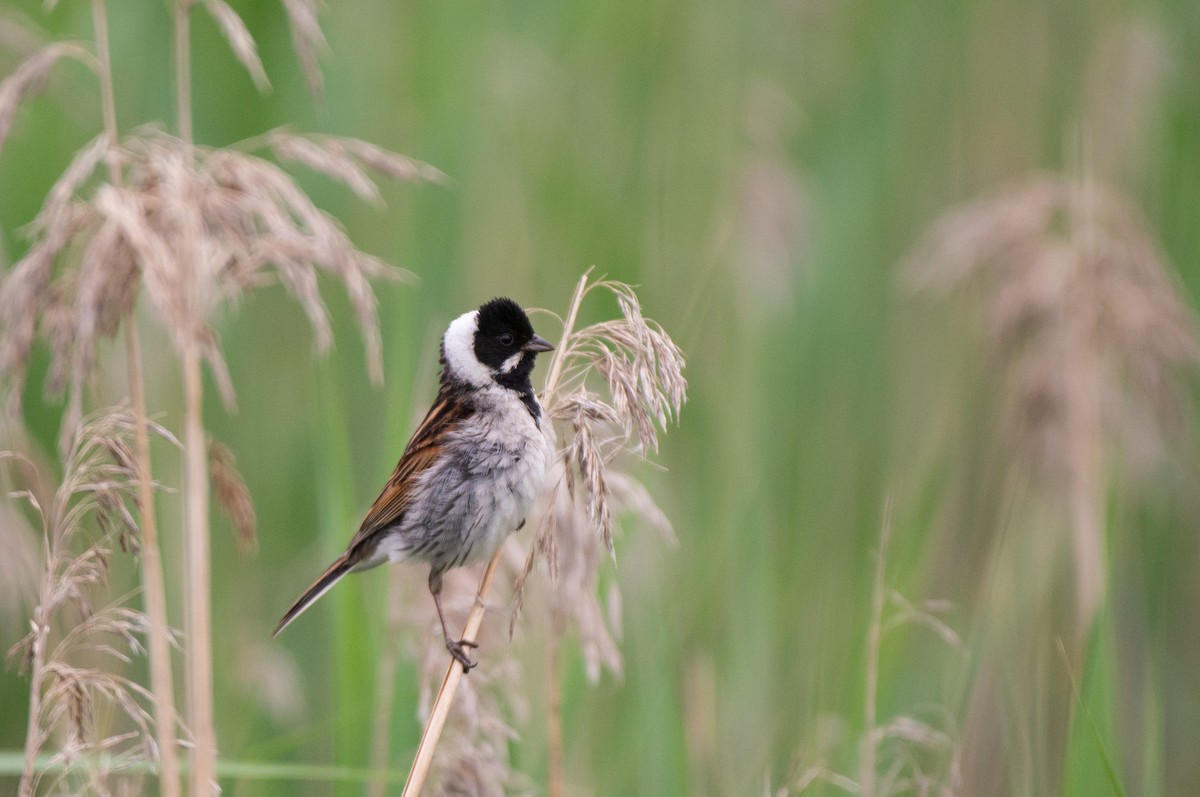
(758, 169)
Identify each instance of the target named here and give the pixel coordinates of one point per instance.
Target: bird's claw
(460, 655)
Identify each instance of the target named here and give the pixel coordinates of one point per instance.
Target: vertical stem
(161, 679)
(560, 353)
(1085, 447)
(199, 659)
(199, 599)
(554, 703)
(108, 103)
(866, 776)
(183, 71)
(33, 734)
(554, 736)
(445, 695)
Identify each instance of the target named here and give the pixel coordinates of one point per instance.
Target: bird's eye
(506, 339)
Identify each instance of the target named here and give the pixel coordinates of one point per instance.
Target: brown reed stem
(199, 598)
(183, 70)
(560, 354)
(1084, 419)
(554, 733)
(161, 679)
(195, 444)
(867, 761)
(445, 695)
(162, 682)
(37, 666)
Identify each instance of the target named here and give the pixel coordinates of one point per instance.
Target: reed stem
(199, 598)
(183, 70)
(866, 776)
(195, 444)
(162, 682)
(554, 733)
(560, 353)
(37, 667)
(445, 695)
(161, 679)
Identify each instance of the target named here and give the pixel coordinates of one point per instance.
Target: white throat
(458, 344)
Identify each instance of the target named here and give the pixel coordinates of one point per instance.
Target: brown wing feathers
(422, 451)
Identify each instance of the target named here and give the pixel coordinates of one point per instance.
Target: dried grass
(19, 564)
(1088, 336)
(903, 754)
(1078, 299)
(611, 387)
(249, 223)
(30, 77)
(346, 160)
(79, 700)
(192, 229)
(308, 41)
(229, 488)
(240, 41)
(19, 36)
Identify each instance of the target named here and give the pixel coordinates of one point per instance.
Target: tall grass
(759, 171)
(194, 228)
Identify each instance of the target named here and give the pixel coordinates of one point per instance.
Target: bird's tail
(340, 567)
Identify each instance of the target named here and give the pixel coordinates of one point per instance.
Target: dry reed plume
(610, 388)
(1089, 344)
(245, 219)
(1087, 332)
(75, 694)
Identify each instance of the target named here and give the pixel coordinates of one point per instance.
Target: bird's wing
(426, 445)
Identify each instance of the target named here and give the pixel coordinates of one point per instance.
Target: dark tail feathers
(339, 568)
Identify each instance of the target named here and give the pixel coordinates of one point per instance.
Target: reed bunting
(470, 471)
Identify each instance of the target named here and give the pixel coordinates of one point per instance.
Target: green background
(758, 169)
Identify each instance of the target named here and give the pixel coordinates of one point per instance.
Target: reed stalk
(198, 596)
(161, 678)
(41, 626)
(554, 731)
(195, 479)
(445, 695)
(867, 762)
(183, 70)
(158, 235)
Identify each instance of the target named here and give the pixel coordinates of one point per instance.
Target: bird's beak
(538, 344)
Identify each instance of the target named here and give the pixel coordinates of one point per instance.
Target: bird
(472, 469)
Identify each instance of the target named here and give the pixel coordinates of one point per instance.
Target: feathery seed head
(611, 387)
(195, 228)
(66, 628)
(1081, 311)
(232, 494)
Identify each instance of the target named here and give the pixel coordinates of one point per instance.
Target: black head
(505, 342)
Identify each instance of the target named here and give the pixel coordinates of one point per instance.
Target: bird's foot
(460, 654)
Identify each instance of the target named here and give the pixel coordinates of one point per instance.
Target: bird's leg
(456, 648)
